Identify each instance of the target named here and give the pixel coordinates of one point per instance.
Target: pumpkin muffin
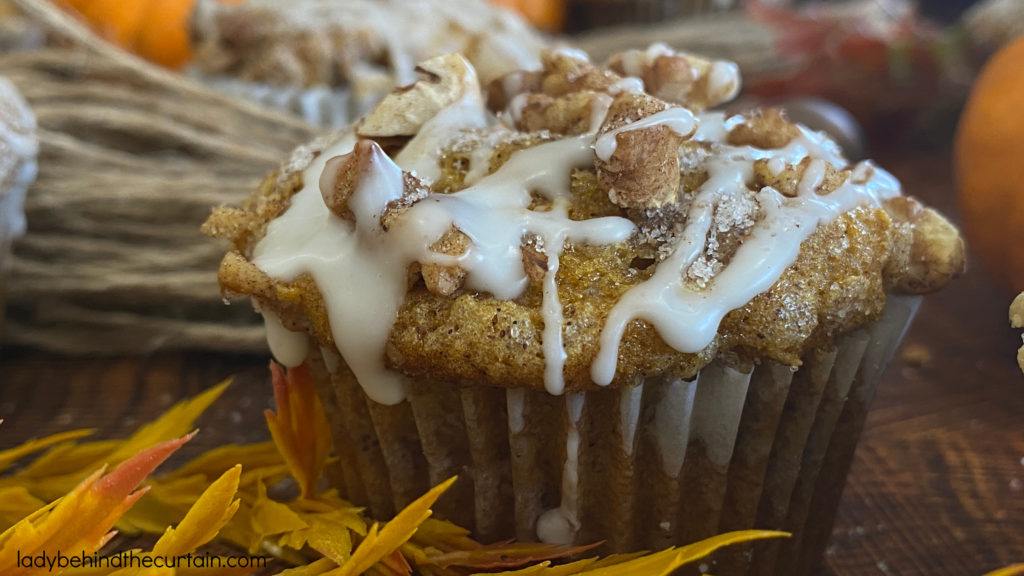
(616, 315)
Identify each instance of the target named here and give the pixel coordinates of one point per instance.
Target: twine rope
(132, 158)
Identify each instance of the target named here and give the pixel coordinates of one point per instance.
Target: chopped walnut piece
(928, 251)
(788, 180)
(445, 280)
(643, 171)
(1017, 321)
(767, 129)
(402, 112)
(413, 190)
(568, 71)
(678, 77)
(535, 261)
(501, 91)
(570, 114)
(342, 175)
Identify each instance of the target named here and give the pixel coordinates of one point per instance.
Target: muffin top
(572, 227)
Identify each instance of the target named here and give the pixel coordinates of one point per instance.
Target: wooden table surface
(937, 486)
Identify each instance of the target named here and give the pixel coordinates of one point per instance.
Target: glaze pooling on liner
(362, 269)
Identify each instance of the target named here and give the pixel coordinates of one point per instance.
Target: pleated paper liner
(662, 463)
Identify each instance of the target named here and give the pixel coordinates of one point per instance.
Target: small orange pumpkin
(989, 165)
(546, 14)
(154, 29)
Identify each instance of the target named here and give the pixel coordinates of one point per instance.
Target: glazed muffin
(616, 315)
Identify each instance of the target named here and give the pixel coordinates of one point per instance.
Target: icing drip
(289, 348)
(560, 525)
(679, 120)
(365, 267)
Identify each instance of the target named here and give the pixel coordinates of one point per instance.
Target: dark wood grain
(936, 487)
(937, 483)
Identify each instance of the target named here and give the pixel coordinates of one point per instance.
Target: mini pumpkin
(989, 165)
(157, 30)
(546, 14)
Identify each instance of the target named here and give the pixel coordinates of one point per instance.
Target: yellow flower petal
(15, 503)
(444, 536)
(299, 428)
(80, 521)
(378, 544)
(211, 463)
(8, 457)
(270, 517)
(657, 564)
(698, 550)
(204, 519)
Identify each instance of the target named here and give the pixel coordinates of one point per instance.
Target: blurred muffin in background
(326, 60)
(332, 61)
(18, 149)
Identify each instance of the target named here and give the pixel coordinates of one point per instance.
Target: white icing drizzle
(419, 156)
(570, 52)
(679, 120)
(629, 84)
(515, 107)
(495, 214)
(723, 80)
(599, 110)
(635, 61)
(289, 348)
(687, 319)
(364, 267)
(560, 525)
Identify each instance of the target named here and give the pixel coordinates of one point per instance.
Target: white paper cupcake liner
(663, 463)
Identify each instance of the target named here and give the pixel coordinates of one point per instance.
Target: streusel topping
(583, 228)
